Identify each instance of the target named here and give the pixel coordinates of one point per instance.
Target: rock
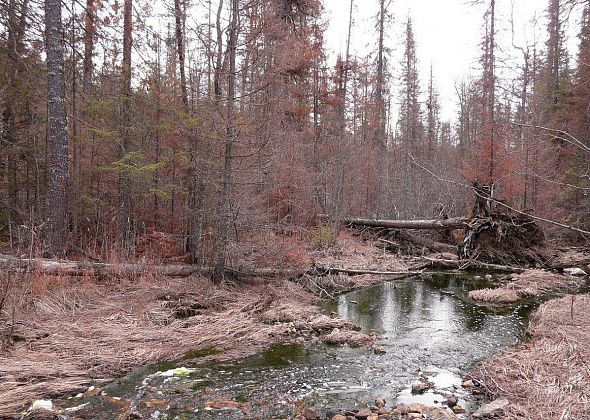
(488, 277)
(350, 338)
(339, 417)
(457, 409)
(379, 350)
(156, 403)
(373, 417)
(181, 371)
(414, 415)
(363, 413)
(477, 278)
(452, 401)
(92, 391)
(380, 402)
(403, 409)
(468, 384)
(421, 386)
(311, 414)
(417, 408)
(441, 414)
(46, 405)
(575, 271)
(226, 405)
(494, 408)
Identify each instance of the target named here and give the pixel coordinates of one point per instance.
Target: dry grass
(531, 283)
(81, 331)
(548, 377)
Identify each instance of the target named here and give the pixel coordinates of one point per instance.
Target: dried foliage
(548, 377)
(78, 331)
(530, 284)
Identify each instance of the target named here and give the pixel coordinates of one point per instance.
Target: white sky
(447, 32)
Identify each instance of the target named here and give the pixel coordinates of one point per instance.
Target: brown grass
(548, 377)
(531, 283)
(79, 331)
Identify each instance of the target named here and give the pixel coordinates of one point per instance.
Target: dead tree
(57, 131)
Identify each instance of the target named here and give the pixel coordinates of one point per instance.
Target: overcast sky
(448, 33)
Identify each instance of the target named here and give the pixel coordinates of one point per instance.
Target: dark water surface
(426, 326)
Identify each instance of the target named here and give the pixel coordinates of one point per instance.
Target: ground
(547, 377)
(72, 332)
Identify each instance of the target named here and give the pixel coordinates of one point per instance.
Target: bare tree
(57, 131)
(224, 199)
(125, 226)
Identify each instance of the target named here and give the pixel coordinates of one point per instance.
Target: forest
(198, 181)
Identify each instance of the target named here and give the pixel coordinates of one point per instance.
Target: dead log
(471, 264)
(82, 268)
(322, 271)
(453, 223)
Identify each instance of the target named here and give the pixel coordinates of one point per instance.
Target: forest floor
(73, 332)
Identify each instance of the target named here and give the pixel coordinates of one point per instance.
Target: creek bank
(529, 284)
(547, 376)
(79, 334)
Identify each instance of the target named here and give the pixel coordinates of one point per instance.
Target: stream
(426, 326)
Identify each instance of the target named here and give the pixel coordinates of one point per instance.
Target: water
(426, 326)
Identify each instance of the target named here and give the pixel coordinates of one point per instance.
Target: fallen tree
(83, 268)
(452, 223)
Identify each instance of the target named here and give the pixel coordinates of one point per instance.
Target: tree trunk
(224, 201)
(90, 27)
(453, 223)
(57, 131)
(125, 233)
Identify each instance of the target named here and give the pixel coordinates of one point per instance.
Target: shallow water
(426, 325)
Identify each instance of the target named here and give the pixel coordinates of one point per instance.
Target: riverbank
(531, 284)
(74, 332)
(547, 377)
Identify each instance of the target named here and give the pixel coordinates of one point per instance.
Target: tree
(226, 188)
(125, 225)
(410, 118)
(432, 117)
(57, 132)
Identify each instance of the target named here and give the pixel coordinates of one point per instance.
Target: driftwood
(453, 223)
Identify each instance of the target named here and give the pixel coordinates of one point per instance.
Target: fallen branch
(322, 271)
(465, 264)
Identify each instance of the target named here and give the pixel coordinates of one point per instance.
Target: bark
(57, 131)
(179, 20)
(125, 233)
(89, 30)
(453, 223)
(224, 200)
